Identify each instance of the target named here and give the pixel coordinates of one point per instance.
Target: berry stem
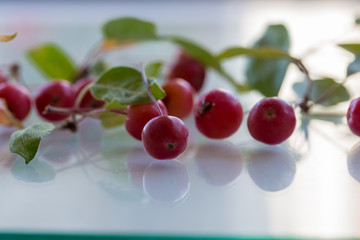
(144, 78)
(89, 112)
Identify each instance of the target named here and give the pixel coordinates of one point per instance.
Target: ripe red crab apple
(87, 100)
(218, 114)
(179, 100)
(271, 120)
(353, 116)
(165, 137)
(57, 93)
(17, 99)
(189, 69)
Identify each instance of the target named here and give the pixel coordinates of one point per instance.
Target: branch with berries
(153, 113)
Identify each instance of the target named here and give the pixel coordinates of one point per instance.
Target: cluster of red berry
(218, 113)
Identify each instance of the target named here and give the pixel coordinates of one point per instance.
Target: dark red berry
(218, 114)
(87, 99)
(17, 99)
(353, 116)
(165, 137)
(271, 120)
(57, 93)
(189, 69)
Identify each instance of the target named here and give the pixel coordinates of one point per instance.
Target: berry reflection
(220, 163)
(271, 168)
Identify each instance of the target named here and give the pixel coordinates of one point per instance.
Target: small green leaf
(129, 29)
(351, 47)
(354, 67)
(109, 119)
(153, 69)
(357, 21)
(125, 85)
(53, 62)
(259, 52)
(267, 75)
(25, 142)
(320, 87)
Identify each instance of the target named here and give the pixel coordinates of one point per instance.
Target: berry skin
(188, 69)
(87, 101)
(271, 121)
(165, 137)
(218, 114)
(139, 114)
(57, 93)
(17, 99)
(179, 100)
(353, 116)
(3, 78)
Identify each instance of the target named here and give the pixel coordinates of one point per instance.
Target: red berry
(165, 137)
(353, 116)
(3, 78)
(87, 101)
(17, 99)
(139, 114)
(188, 69)
(218, 114)
(58, 93)
(271, 120)
(179, 98)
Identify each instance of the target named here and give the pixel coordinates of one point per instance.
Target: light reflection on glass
(271, 168)
(219, 163)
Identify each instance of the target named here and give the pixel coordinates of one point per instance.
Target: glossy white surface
(102, 181)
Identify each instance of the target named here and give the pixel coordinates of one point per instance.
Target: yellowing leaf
(7, 38)
(109, 44)
(6, 117)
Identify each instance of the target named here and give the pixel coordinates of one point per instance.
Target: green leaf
(25, 142)
(357, 21)
(153, 69)
(320, 87)
(267, 75)
(125, 85)
(205, 57)
(129, 29)
(53, 62)
(351, 47)
(196, 51)
(354, 67)
(259, 52)
(109, 119)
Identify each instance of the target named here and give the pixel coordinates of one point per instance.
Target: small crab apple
(17, 99)
(165, 137)
(271, 120)
(3, 78)
(56, 93)
(189, 69)
(179, 100)
(353, 116)
(218, 114)
(139, 114)
(87, 99)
